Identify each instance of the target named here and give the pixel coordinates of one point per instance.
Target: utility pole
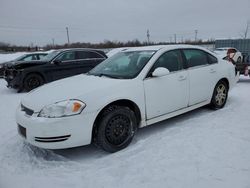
(174, 38)
(148, 36)
(53, 42)
(170, 39)
(196, 33)
(246, 32)
(67, 29)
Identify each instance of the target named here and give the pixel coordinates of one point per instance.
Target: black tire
(32, 81)
(220, 95)
(116, 128)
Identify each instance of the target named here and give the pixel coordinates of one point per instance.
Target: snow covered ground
(203, 148)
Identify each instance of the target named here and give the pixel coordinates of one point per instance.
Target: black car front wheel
(116, 128)
(32, 81)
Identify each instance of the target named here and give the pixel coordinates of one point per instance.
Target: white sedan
(231, 54)
(132, 89)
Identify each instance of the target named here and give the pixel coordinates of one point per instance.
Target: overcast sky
(39, 21)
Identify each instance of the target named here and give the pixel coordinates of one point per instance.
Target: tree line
(107, 44)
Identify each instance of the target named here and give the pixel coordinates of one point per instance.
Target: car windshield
(123, 65)
(51, 55)
(20, 57)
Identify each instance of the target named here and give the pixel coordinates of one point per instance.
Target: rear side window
(195, 57)
(212, 59)
(87, 55)
(171, 60)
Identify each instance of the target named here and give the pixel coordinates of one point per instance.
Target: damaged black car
(56, 65)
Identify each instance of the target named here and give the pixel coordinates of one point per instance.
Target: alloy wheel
(221, 94)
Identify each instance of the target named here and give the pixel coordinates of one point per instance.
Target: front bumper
(1, 72)
(55, 133)
(13, 78)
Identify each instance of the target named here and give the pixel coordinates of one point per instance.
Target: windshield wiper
(108, 75)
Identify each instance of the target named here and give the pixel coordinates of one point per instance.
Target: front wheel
(32, 81)
(116, 128)
(220, 94)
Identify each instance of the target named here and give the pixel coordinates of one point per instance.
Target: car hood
(76, 87)
(222, 56)
(24, 64)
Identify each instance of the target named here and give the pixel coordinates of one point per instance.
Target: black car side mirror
(56, 62)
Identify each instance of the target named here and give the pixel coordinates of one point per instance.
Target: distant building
(243, 45)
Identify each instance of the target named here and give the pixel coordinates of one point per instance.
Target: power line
(29, 28)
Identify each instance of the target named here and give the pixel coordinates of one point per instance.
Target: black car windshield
(123, 65)
(20, 57)
(51, 55)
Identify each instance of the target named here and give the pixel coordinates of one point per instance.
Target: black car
(25, 57)
(56, 65)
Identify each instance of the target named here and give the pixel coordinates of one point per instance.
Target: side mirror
(56, 62)
(159, 72)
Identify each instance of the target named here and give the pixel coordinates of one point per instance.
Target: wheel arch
(226, 81)
(121, 102)
(36, 72)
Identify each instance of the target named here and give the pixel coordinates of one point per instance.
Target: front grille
(22, 131)
(9, 74)
(52, 139)
(27, 110)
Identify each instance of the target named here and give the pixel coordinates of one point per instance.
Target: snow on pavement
(203, 148)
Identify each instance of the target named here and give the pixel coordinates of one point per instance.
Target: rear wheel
(116, 128)
(32, 81)
(220, 94)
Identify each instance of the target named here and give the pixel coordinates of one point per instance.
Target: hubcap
(33, 82)
(221, 94)
(118, 130)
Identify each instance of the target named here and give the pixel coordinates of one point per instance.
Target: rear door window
(87, 55)
(195, 57)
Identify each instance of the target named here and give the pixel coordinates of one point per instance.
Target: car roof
(36, 53)
(226, 48)
(166, 47)
(68, 49)
(86, 49)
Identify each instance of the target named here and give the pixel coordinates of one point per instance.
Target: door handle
(182, 77)
(212, 71)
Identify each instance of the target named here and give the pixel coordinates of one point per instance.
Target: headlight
(62, 109)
